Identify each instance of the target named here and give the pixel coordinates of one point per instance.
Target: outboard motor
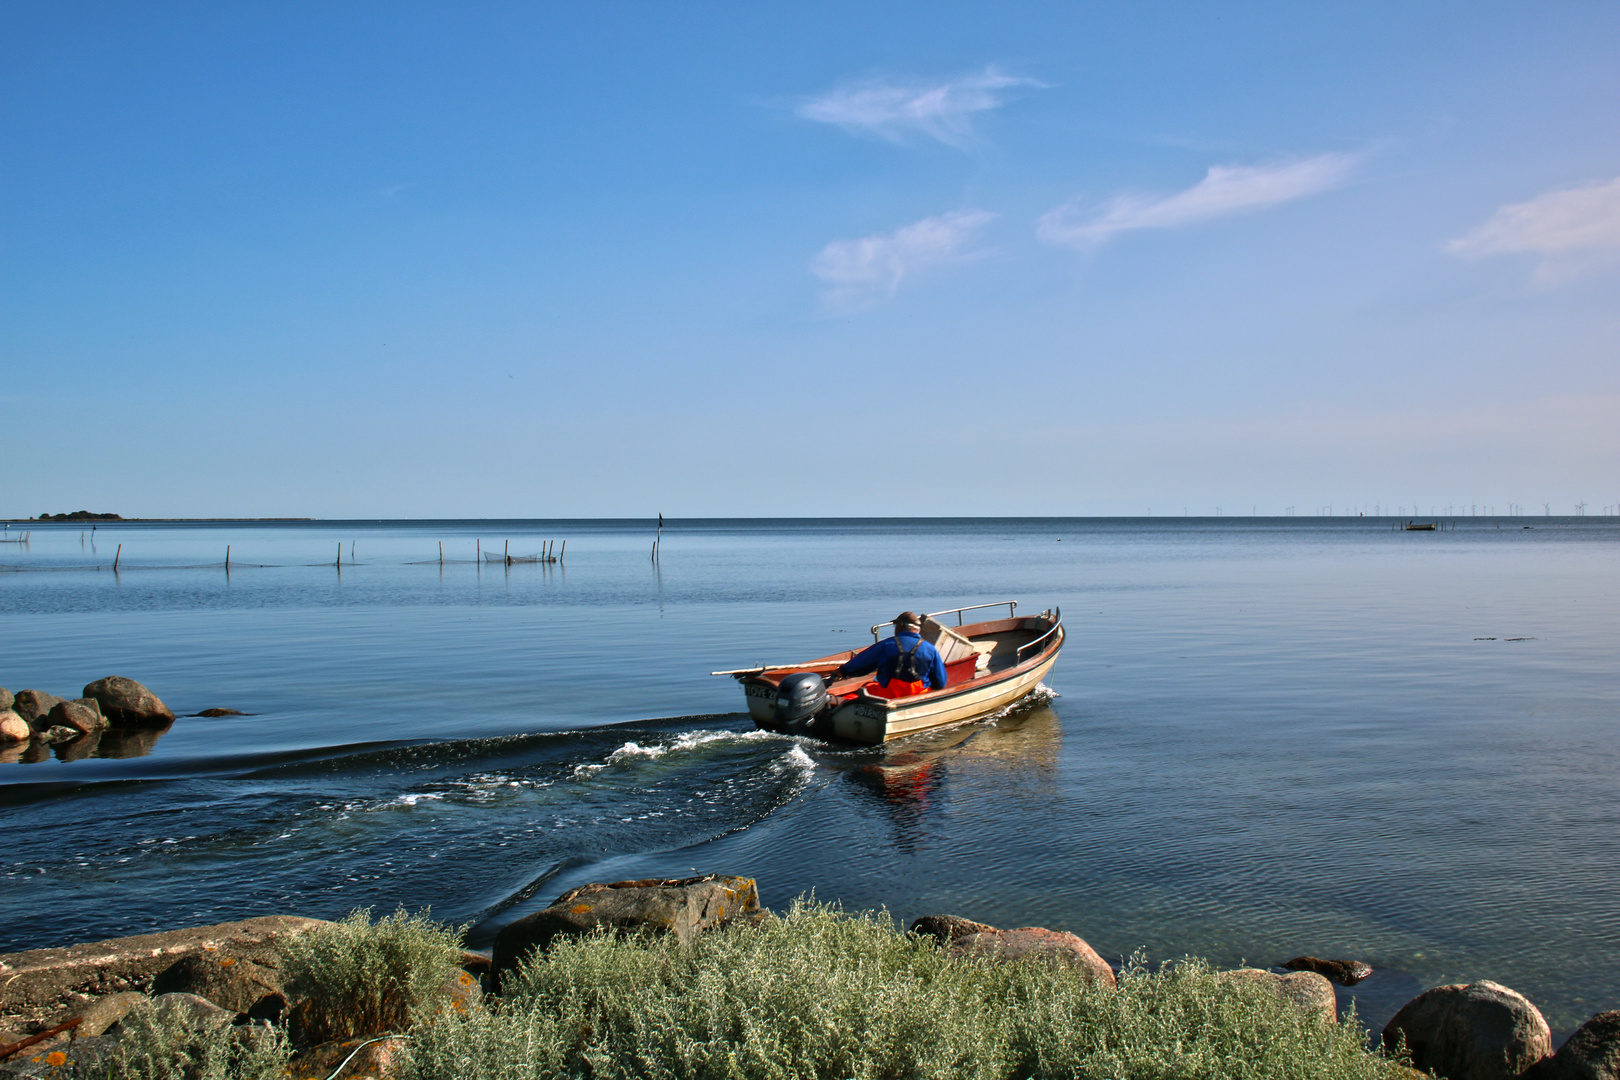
(800, 697)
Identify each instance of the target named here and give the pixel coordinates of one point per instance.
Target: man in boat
(905, 664)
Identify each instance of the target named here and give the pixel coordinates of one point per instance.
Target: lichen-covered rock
(460, 994)
(1034, 942)
(1481, 1031)
(1592, 1053)
(1343, 972)
(947, 928)
(220, 975)
(126, 703)
(1307, 989)
(43, 983)
(13, 728)
(65, 1061)
(34, 705)
(684, 907)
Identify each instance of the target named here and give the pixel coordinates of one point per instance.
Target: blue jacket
(883, 656)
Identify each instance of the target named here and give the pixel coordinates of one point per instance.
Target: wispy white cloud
(862, 272)
(900, 111)
(1226, 189)
(1573, 230)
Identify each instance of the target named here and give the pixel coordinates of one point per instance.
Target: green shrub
(824, 994)
(158, 1044)
(1182, 1020)
(358, 977)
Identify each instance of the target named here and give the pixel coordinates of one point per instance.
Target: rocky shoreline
(63, 1007)
(113, 710)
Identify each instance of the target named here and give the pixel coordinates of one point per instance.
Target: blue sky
(419, 260)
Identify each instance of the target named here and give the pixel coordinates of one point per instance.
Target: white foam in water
(685, 741)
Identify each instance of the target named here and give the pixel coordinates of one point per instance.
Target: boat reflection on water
(915, 776)
(108, 743)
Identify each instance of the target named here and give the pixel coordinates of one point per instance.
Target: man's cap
(908, 618)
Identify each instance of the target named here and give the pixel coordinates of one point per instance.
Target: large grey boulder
(34, 705)
(1034, 942)
(126, 703)
(1481, 1031)
(1592, 1053)
(13, 728)
(684, 907)
(83, 716)
(1306, 989)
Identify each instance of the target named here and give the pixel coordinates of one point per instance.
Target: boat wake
(466, 827)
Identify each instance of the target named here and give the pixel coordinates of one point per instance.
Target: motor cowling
(800, 698)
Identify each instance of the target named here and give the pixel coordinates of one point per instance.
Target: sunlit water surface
(1268, 737)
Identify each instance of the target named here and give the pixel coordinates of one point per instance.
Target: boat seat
(951, 645)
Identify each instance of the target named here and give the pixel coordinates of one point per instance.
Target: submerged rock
(684, 907)
(127, 703)
(1481, 1031)
(1343, 972)
(1034, 942)
(221, 712)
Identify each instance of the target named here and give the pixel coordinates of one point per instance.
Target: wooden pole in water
(563, 552)
(339, 562)
(116, 556)
(227, 558)
(506, 553)
(441, 554)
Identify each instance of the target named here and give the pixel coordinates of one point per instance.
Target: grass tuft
(825, 995)
(358, 977)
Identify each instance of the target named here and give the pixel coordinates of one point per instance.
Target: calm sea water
(1267, 737)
